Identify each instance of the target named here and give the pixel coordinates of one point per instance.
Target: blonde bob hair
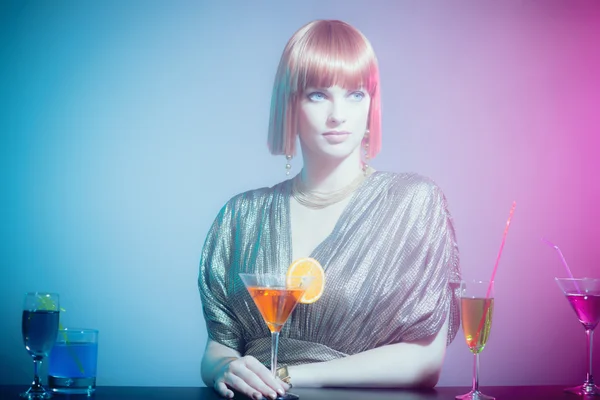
(322, 54)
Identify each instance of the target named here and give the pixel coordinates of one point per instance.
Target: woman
(386, 240)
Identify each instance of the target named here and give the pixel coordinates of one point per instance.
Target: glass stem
(476, 373)
(274, 345)
(36, 376)
(590, 337)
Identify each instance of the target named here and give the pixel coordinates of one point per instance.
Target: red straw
(512, 211)
(487, 304)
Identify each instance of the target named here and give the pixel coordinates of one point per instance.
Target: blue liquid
(39, 332)
(73, 360)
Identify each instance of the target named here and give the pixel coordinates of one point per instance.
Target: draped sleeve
(431, 266)
(222, 323)
(246, 236)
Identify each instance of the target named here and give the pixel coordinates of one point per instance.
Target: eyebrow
(326, 89)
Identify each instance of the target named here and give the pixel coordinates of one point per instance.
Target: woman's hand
(248, 376)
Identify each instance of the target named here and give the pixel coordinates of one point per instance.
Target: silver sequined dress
(391, 265)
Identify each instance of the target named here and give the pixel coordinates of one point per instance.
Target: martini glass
(476, 308)
(584, 296)
(276, 296)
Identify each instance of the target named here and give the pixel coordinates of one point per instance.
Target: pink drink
(587, 308)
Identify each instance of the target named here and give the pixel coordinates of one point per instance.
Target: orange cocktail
(276, 296)
(275, 304)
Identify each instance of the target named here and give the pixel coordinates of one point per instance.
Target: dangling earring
(365, 167)
(288, 166)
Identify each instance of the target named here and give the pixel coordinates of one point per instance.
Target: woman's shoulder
(407, 183)
(411, 191)
(250, 199)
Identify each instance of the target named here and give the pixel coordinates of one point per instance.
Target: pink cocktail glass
(584, 296)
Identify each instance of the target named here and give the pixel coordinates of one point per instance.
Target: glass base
(475, 395)
(38, 392)
(288, 396)
(60, 385)
(587, 389)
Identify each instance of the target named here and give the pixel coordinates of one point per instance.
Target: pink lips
(334, 137)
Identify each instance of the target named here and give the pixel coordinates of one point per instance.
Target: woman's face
(332, 121)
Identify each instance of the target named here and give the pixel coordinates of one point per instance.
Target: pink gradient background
(125, 126)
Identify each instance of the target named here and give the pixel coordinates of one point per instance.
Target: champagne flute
(584, 297)
(476, 308)
(39, 327)
(276, 296)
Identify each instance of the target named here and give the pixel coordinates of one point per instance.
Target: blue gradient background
(126, 125)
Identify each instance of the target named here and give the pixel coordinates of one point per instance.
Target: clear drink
(39, 329)
(39, 326)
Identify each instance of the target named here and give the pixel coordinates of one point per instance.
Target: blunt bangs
(332, 55)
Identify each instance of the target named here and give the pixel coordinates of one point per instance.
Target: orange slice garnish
(308, 267)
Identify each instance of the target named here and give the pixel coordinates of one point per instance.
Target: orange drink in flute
(476, 309)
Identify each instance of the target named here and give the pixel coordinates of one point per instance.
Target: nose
(337, 113)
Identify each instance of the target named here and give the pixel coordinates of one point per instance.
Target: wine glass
(584, 296)
(276, 296)
(476, 308)
(39, 327)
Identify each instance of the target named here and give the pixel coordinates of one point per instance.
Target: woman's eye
(316, 96)
(357, 96)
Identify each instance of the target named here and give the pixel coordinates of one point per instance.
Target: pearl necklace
(318, 200)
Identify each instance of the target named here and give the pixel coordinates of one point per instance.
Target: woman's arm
(415, 364)
(225, 369)
(215, 357)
